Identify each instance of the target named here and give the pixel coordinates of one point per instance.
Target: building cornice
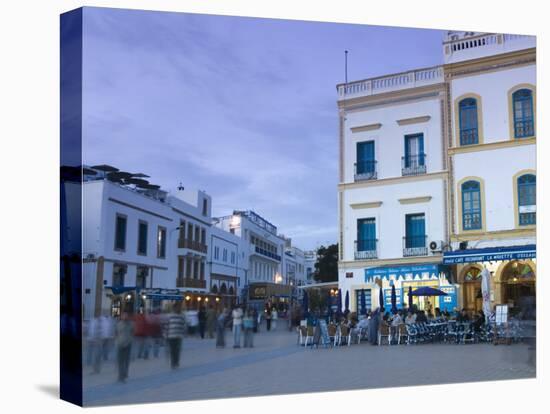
(351, 264)
(415, 200)
(494, 235)
(373, 204)
(363, 128)
(493, 145)
(393, 180)
(415, 120)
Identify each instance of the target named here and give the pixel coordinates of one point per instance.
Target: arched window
(467, 110)
(523, 113)
(527, 199)
(215, 289)
(471, 205)
(223, 288)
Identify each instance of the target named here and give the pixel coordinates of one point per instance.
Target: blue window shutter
(365, 157)
(420, 149)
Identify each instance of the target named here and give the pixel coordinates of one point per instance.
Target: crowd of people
(142, 335)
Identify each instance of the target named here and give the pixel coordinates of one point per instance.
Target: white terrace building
(393, 183)
(136, 242)
(492, 164)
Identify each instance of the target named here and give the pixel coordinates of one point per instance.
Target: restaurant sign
(490, 254)
(404, 272)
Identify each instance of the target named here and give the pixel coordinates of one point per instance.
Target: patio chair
(401, 333)
(412, 334)
(345, 333)
(310, 332)
(451, 334)
(468, 334)
(332, 333)
(384, 332)
(361, 334)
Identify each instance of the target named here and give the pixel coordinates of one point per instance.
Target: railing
(468, 136)
(263, 252)
(523, 129)
(484, 43)
(382, 84)
(413, 164)
(366, 249)
(365, 170)
(190, 283)
(414, 246)
(193, 245)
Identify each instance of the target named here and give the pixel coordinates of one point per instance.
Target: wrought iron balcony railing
(193, 245)
(366, 249)
(365, 170)
(413, 164)
(414, 246)
(188, 282)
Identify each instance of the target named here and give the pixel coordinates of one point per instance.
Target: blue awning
(410, 272)
(490, 254)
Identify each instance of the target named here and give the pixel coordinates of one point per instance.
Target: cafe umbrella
(428, 291)
(346, 302)
(381, 299)
(393, 299)
(363, 303)
(410, 298)
(339, 310)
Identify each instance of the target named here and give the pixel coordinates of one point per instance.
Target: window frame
(474, 108)
(471, 211)
(125, 217)
(140, 223)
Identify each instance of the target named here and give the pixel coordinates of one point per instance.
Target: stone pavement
(277, 365)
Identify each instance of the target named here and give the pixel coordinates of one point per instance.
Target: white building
(310, 258)
(393, 184)
(436, 162)
(228, 259)
(492, 166)
(141, 246)
(293, 265)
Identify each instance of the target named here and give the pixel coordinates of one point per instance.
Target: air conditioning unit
(436, 246)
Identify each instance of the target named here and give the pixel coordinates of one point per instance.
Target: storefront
(261, 295)
(405, 278)
(513, 276)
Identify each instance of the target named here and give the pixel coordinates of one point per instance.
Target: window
(216, 253)
(467, 109)
(414, 159)
(365, 166)
(142, 238)
(527, 199)
(232, 257)
(203, 236)
(523, 113)
(188, 264)
(202, 271)
(119, 271)
(415, 230)
(141, 276)
(471, 205)
(181, 264)
(204, 207)
(120, 232)
(196, 270)
(224, 255)
(197, 234)
(182, 230)
(161, 242)
(366, 234)
(189, 232)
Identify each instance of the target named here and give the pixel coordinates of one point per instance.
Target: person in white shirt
(410, 319)
(274, 316)
(237, 316)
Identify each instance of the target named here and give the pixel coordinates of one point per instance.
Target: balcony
(365, 170)
(413, 164)
(366, 249)
(193, 245)
(414, 246)
(187, 282)
(263, 252)
(468, 136)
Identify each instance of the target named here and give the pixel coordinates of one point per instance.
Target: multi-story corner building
(294, 266)
(141, 245)
(492, 163)
(310, 258)
(266, 247)
(437, 176)
(228, 259)
(393, 184)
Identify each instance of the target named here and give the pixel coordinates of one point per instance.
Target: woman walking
(220, 329)
(248, 326)
(124, 333)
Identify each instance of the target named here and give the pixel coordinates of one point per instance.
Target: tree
(326, 267)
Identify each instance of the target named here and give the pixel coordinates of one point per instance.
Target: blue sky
(242, 108)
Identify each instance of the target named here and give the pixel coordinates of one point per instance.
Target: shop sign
(487, 255)
(404, 272)
(258, 292)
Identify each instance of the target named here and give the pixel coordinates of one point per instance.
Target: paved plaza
(277, 365)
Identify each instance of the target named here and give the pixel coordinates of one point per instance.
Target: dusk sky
(242, 108)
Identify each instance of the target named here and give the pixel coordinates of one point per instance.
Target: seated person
(410, 318)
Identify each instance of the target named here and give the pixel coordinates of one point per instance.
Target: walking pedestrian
(141, 335)
(202, 321)
(274, 317)
(374, 324)
(155, 328)
(221, 321)
(210, 321)
(106, 334)
(237, 315)
(258, 320)
(94, 350)
(268, 319)
(124, 332)
(248, 326)
(174, 335)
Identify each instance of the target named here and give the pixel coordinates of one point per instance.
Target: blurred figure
(174, 335)
(274, 317)
(374, 324)
(202, 321)
(258, 320)
(141, 333)
(106, 334)
(410, 318)
(237, 315)
(268, 319)
(220, 328)
(210, 321)
(248, 326)
(94, 351)
(154, 323)
(124, 332)
(192, 319)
